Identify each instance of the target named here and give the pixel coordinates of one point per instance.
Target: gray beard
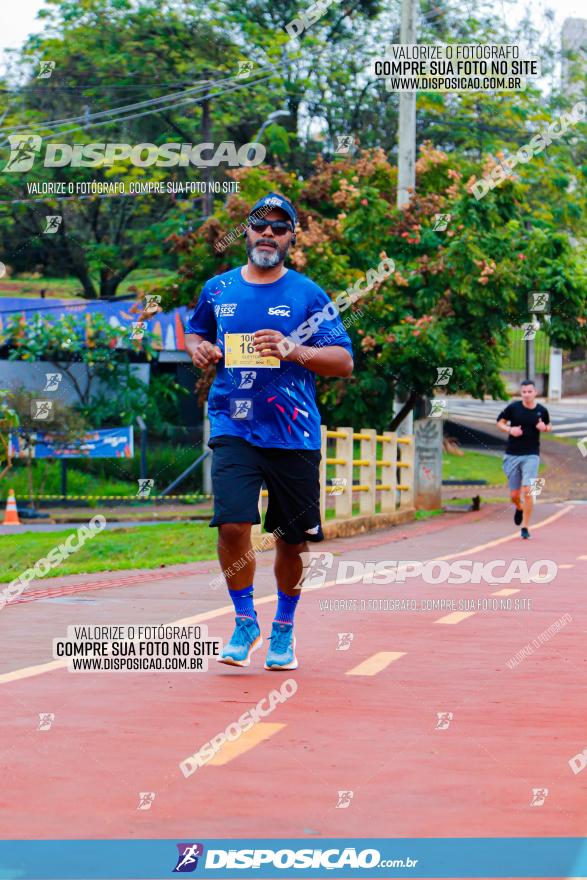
(264, 260)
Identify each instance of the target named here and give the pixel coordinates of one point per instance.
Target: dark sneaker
(525, 533)
(518, 516)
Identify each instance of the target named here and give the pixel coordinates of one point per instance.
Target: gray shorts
(520, 469)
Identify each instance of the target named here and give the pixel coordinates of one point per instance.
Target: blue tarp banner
(275, 858)
(103, 443)
(167, 327)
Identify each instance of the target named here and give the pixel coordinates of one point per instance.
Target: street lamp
(271, 118)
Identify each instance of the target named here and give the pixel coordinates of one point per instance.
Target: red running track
(512, 729)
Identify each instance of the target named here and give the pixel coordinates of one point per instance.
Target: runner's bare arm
(332, 360)
(507, 429)
(202, 352)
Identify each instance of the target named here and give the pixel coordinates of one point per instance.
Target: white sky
(22, 20)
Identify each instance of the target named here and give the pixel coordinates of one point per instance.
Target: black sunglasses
(278, 227)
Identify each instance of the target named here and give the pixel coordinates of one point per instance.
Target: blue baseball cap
(276, 200)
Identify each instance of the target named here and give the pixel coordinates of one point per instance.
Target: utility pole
(406, 165)
(406, 154)
(206, 126)
(530, 359)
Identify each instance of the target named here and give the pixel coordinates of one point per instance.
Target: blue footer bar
(384, 858)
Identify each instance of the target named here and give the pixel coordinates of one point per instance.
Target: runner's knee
(233, 534)
(285, 549)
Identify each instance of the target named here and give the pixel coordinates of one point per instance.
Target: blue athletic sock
(286, 607)
(243, 602)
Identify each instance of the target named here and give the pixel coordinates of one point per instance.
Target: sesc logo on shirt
(282, 311)
(226, 310)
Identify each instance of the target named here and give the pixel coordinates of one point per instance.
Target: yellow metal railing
(389, 494)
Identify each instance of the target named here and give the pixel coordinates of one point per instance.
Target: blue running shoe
(245, 639)
(282, 650)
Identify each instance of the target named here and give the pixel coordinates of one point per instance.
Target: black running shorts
(292, 479)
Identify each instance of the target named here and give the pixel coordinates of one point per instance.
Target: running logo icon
(41, 409)
(539, 795)
(443, 375)
(52, 381)
(53, 223)
(315, 566)
(146, 798)
(24, 148)
(538, 301)
(247, 378)
(438, 409)
(241, 409)
(145, 486)
(46, 719)
(187, 860)
(444, 719)
(536, 486)
(441, 222)
(47, 68)
(344, 143)
(344, 641)
(244, 68)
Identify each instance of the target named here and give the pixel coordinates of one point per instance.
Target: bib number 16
(246, 345)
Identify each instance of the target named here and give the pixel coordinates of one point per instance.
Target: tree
(108, 393)
(64, 424)
(109, 55)
(69, 341)
(453, 295)
(8, 422)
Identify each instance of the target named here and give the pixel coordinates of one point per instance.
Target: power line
(123, 108)
(162, 99)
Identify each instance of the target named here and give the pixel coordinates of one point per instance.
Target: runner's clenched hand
(206, 354)
(516, 432)
(266, 343)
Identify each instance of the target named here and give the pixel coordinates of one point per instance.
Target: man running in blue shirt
(264, 422)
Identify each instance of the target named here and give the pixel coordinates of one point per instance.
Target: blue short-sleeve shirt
(273, 407)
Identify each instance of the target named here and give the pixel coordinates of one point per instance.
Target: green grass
(114, 476)
(78, 483)
(516, 358)
(110, 550)
(428, 514)
(473, 466)
(30, 284)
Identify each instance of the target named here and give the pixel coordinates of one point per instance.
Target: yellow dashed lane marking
(455, 617)
(29, 671)
(567, 565)
(373, 665)
(505, 592)
(41, 668)
(514, 535)
(581, 557)
(251, 738)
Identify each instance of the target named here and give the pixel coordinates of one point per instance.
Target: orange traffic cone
(11, 515)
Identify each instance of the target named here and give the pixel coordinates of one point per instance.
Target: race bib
(239, 352)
